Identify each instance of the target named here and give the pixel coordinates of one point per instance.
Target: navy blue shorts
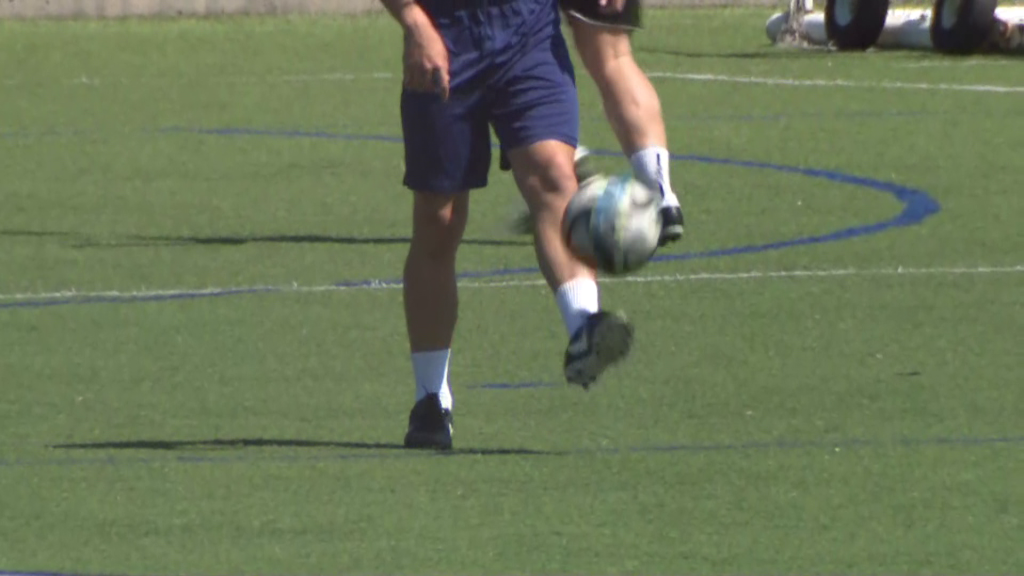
(510, 71)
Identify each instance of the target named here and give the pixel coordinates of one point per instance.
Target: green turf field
(204, 366)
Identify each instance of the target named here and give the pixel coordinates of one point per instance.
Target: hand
(425, 58)
(611, 6)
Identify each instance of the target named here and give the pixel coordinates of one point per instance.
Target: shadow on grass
(242, 443)
(77, 240)
(772, 53)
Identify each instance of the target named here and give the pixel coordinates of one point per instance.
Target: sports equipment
(430, 425)
(671, 216)
(671, 224)
(948, 26)
(614, 223)
(604, 339)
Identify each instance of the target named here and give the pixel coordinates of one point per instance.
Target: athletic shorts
(587, 10)
(510, 71)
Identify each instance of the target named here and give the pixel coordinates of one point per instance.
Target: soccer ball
(613, 223)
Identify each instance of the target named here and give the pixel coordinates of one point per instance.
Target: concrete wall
(123, 8)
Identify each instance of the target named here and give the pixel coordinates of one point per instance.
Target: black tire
(962, 26)
(855, 24)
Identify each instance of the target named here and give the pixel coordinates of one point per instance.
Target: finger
(437, 80)
(419, 79)
(440, 82)
(406, 78)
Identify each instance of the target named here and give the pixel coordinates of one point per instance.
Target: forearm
(407, 13)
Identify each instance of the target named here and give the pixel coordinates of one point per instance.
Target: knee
(545, 174)
(438, 224)
(552, 181)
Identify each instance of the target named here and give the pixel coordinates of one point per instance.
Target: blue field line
(26, 573)
(917, 206)
(23, 573)
(32, 133)
(831, 445)
(824, 116)
(511, 385)
(316, 134)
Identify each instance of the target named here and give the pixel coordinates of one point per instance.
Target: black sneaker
(430, 425)
(671, 224)
(604, 339)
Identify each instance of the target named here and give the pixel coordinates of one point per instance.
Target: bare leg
(431, 298)
(630, 101)
(545, 176)
(430, 292)
(634, 111)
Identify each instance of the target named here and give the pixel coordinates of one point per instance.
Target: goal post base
(905, 28)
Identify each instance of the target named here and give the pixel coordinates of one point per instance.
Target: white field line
(950, 63)
(763, 80)
(382, 285)
(340, 76)
(837, 83)
(293, 78)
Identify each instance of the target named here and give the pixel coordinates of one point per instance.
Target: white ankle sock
(431, 372)
(576, 300)
(650, 166)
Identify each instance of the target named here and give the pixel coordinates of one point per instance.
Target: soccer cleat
(604, 339)
(671, 224)
(430, 425)
(671, 216)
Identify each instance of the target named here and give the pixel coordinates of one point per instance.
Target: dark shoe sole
(428, 440)
(611, 342)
